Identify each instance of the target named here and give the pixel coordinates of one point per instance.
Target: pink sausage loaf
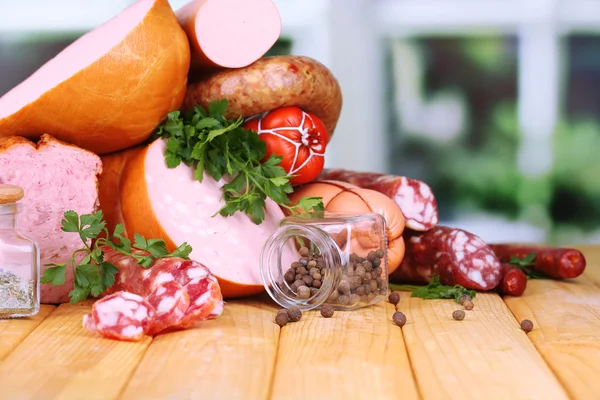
(457, 256)
(415, 198)
(229, 33)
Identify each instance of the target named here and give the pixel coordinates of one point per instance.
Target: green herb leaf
(525, 265)
(54, 275)
(435, 290)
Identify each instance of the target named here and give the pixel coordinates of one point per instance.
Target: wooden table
(354, 355)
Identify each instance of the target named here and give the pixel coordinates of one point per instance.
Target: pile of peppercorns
(361, 280)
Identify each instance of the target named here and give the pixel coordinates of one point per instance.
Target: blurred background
(494, 103)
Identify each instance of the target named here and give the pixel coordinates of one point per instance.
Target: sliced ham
(160, 202)
(229, 33)
(56, 177)
(109, 89)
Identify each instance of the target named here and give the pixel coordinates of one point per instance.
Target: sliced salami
(122, 316)
(457, 256)
(206, 302)
(171, 301)
(414, 197)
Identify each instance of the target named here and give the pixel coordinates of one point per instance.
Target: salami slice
(555, 262)
(414, 197)
(122, 316)
(457, 256)
(171, 301)
(206, 301)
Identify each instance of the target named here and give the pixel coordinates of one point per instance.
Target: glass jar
(327, 258)
(19, 260)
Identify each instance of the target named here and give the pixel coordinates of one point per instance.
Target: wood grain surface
(14, 331)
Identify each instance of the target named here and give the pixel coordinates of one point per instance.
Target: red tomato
(298, 137)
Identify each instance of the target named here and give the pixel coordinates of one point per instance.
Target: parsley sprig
(93, 275)
(211, 143)
(525, 265)
(435, 290)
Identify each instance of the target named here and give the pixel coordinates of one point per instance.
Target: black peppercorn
(316, 283)
(294, 314)
(468, 305)
(394, 298)
(376, 262)
(289, 276)
(399, 318)
(327, 311)
(458, 315)
(380, 253)
(344, 287)
(281, 319)
(307, 279)
(527, 325)
(371, 256)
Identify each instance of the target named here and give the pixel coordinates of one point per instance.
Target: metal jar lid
(10, 194)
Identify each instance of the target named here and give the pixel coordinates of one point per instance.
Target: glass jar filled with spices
(327, 258)
(19, 260)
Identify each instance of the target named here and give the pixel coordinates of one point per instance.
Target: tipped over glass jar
(327, 258)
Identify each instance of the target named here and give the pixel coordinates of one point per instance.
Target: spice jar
(19, 260)
(327, 258)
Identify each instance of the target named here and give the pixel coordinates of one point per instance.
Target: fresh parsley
(93, 275)
(435, 290)
(213, 144)
(525, 265)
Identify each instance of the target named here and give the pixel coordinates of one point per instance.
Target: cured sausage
(415, 198)
(206, 302)
(109, 89)
(171, 301)
(56, 177)
(514, 280)
(229, 33)
(457, 256)
(555, 262)
(270, 83)
(122, 316)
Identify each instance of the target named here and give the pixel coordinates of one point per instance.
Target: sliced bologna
(345, 197)
(122, 316)
(109, 89)
(229, 33)
(415, 198)
(56, 177)
(171, 301)
(457, 256)
(160, 202)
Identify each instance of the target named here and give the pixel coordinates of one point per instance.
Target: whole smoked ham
(415, 198)
(56, 177)
(110, 88)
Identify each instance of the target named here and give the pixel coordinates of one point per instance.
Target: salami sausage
(270, 83)
(122, 316)
(555, 262)
(457, 256)
(206, 302)
(514, 280)
(171, 301)
(415, 198)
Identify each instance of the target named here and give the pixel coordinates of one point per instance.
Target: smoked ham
(168, 203)
(109, 89)
(345, 197)
(229, 33)
(56, 177)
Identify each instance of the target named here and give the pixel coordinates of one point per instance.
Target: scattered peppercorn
(463, 298)
(327, 311)
(294, 314)
(468, 305)
(399, 318)
(458, 315)
(281, 319)
(527, 325)
(394, 298)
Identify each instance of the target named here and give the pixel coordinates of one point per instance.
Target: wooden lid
(10, 194)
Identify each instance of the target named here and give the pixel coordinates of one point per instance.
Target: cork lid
(10, 194)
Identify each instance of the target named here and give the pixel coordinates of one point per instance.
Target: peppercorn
(307, 279)
(354, 299)
(316, 283)
(303, 261)
(468, 305)
(377, 272)
(368, 265)
(380, 253)
(371, 256)
(303, 292)
(282, 319)
(464, 297)
(298, 277)
(458, 315)
(527, 325)
(304, 251)
(394, 298)
(312, 264)
(360, 271)
(343, 299)
(350, 270)
(376, 262)
(294, 314)
(370, 297)
(399, 318)
(373, 286)
(327, 311)
(295, 265)
(289, 276)
(333, 296)
(355, 282)
(296, 285)
(301, 271)
(344, 287)
(360, 290)
(313, 271)
(313, 291)
(317, 276)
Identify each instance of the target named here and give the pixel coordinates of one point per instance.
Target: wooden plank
(62, 360)
(353, 355)
(566, 318)
(14, 331)
(231, 357)
(484, 356)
